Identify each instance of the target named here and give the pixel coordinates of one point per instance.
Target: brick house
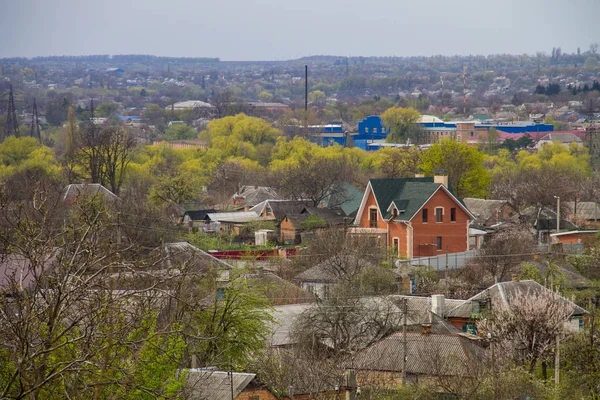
(416, 217)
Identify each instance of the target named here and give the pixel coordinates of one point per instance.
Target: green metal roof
(351, 197)
(408, 194)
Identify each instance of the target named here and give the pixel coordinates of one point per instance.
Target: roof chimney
(441, 176)
(427, 323)
(419, 173)
(438, 304)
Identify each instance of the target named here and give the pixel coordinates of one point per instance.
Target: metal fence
(445, 261)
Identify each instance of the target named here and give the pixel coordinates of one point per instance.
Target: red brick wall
(364, 218)
(454, 234)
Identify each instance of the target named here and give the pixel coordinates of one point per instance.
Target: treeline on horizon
(556, 57)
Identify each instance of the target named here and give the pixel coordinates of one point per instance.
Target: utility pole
(306, 101)
(557, 214)
(465, 90)
(405, 311)
(231, 379)
(557, 361)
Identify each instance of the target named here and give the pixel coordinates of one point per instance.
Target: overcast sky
(285, 29)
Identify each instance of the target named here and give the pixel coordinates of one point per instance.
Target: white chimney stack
(438, 304)
(443, 179)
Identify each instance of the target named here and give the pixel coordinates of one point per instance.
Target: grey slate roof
(324, 271)
(501, 293)
(281, 208)
(284, 318)
(418, 309)
(427, 354)
(277, 290)
(254, 195)
(483, 209)
(206, 384)
(542, 218)
(562, 137)
(73, 191)
(183, 252)
(585, 209)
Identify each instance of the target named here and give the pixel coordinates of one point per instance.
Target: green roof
(351, 198)
(408, 194)
(354, 197)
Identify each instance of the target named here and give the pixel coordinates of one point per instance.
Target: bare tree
(224, 103)
(505, 251)
(105, 154)
(116, 146)
(315, 178)
(347, 323)
(64, 328)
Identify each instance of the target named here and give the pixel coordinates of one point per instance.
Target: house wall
(255, 394)
(288, 232)
(574, 238)
(364, 218)
(454, 234)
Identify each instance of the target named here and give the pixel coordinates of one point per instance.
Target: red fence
(251, 254)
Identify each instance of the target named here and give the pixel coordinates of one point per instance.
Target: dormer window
(394, 212)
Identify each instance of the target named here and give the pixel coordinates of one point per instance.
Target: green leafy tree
(581, 361)
(106, 110)
(401, 123)
(265, 96)
(232, 328)
(26, 154)
(180, 132)
(71, 134)
(242, 136)
(463, 163)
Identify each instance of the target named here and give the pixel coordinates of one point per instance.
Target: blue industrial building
(371, 128)
(508, 127)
